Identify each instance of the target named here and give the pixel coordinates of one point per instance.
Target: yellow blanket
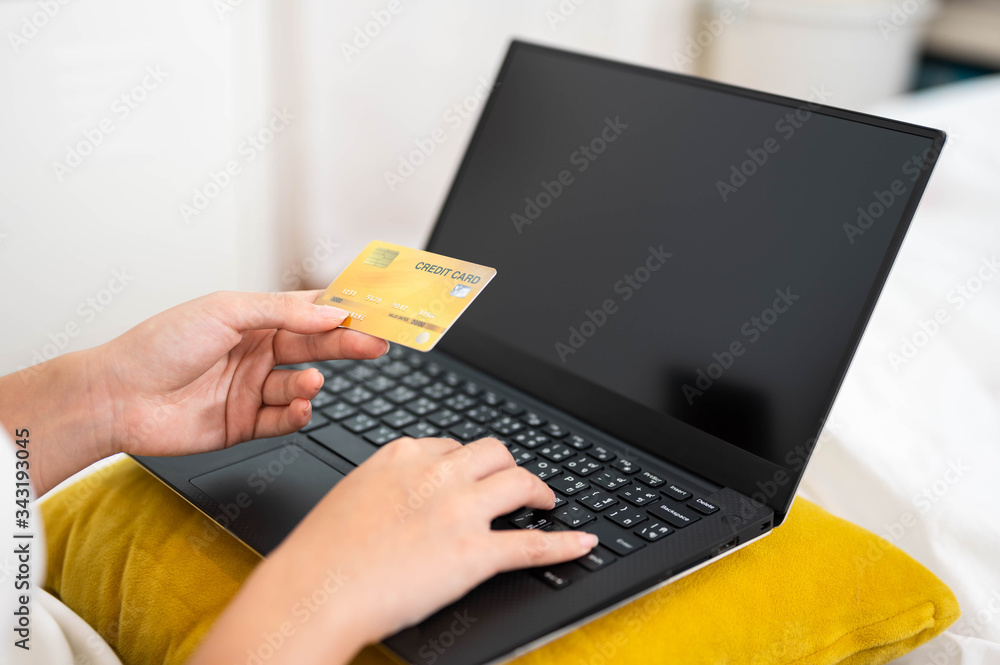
(150, 574)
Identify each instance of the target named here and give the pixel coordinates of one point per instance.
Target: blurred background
(156, 151)
(120, 119)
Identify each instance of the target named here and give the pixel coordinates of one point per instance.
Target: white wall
(319, 184)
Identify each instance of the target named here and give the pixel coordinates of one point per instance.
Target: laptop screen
(688, 253)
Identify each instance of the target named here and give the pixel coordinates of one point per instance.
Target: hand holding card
(407, 296)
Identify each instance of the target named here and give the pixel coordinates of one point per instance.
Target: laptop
(685, 270)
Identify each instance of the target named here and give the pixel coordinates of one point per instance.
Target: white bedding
(913, 451)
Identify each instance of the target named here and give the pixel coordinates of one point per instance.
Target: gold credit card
(407, 296)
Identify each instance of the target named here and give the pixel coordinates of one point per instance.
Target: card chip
(460, 291)
(381, 257)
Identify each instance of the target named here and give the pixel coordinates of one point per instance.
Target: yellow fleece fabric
(150, 574)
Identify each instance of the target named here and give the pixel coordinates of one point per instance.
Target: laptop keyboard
(624, 500)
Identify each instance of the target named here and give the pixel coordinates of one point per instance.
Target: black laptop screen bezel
(721, 462)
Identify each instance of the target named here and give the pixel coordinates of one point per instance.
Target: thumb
(289, 311)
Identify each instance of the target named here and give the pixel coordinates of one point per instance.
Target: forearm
(62, 402)
(278, 618)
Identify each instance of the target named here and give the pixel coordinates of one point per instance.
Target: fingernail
(588, 540)
(330, 312)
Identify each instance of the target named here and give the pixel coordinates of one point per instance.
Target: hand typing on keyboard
(404, 534)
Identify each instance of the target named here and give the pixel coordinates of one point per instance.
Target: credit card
(407, 296)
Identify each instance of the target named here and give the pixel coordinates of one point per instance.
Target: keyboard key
(337, 384)
(506, 425)
(532, 419)
(568, 484)
(598, 500)
(351, 448)
(555, 431)
(654, 531)
(400, 394)
(378, 407)
(573, 516)
(322, 400)
(316, 420)
(452, 379)
(555, 577)
(396, 370)
(612, 537)
(356, 395)
(421, 430)
(379, 384)
(382, 435)
(560, 502)
(491, 399)
(339, 411)
(638, 495)
(675, 516)
(530, 518)
(583, 465)
(543, 469)
(703, 506)
(626, 516)
(444, 418)
(416, 380)
(601, 453)
(481, 414)
(361, 372)
(437, 391)
(460, 402)
(359, 423)
(596, 559)
(433, 370)
(399, 419)
(530, 439)
(626, 466)
(556, 452)
(467, 431)
(650, 479)
(512, 408)
(577, 442)
(471, 389)
(675, 492)
(610, 480)
(520, 455)
(422, 406)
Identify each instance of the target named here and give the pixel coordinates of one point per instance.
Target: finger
(481, 458)
(341, 343)
(243, 311)
(531, 547)
(510, 489)
(283, 385)
(281, 420)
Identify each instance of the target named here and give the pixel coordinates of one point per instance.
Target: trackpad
(262, 498)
